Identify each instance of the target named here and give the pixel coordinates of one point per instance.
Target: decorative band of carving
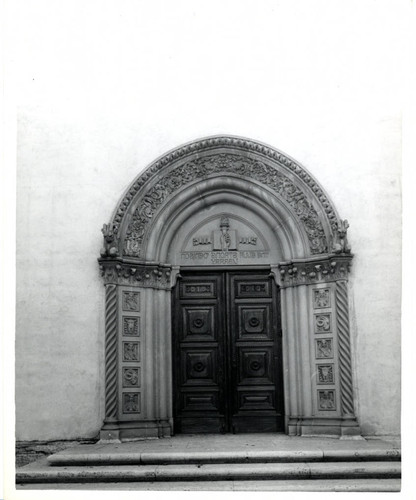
(344, 348)
(308, 272)
(219, 164)
(213, 143)
(111, 351)
(143, 275)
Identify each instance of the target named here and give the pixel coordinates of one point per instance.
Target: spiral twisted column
(110, 352)
(344, 349)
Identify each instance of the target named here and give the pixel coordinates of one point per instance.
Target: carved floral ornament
(124, 273)
(331, 268)
(278, 173)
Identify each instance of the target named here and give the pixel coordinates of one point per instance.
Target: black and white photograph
(202, 250)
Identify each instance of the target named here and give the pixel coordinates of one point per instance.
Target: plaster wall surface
(96, 108)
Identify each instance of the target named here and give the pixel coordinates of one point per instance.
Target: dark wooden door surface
(227, 353)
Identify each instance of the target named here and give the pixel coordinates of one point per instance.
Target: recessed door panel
(227, 353)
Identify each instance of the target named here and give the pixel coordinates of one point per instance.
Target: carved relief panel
(129, 347)
(224, 240)
(323, 347)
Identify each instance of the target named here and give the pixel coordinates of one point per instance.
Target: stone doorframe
(309, 258)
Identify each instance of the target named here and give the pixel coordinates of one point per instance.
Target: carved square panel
(131, 301)
(325, 374)
(131, 351)
(253, 320)
(198, 322)
(326, 400)
(131, 326)
(200, 366)
(131, 377)
(322, 323)
(255, 365)
(131, 402)
(321, 298)
(324, 349)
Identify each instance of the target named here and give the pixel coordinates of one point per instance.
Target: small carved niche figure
(340, 244)
(225, 237)
(110, 247)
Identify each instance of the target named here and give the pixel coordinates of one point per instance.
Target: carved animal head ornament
(110, 244)
(340, 244)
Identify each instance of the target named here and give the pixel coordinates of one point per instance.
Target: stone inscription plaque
(224, 241)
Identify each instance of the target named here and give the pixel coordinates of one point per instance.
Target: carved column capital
(311, 271)
(143, 274)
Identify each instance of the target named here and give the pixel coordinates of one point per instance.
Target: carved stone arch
(268, 199)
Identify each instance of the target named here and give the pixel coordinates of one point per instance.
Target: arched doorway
(226, 206)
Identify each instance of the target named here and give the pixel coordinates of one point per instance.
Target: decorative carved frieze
(143, 275)
(313, 271)
(288, 164)
(242, 166)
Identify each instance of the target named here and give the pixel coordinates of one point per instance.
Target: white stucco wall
(104, 88)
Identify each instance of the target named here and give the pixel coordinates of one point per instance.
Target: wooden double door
(227, 353)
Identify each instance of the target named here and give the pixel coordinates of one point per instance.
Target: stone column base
(343, 428)
(129, 431)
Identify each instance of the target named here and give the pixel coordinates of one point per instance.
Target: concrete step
(38, 473)
(333, 485)
(68, 457)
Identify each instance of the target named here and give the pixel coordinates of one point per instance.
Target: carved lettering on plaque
(224, 241)
(201, 240)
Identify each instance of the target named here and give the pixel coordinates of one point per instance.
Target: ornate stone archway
(278, 217)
